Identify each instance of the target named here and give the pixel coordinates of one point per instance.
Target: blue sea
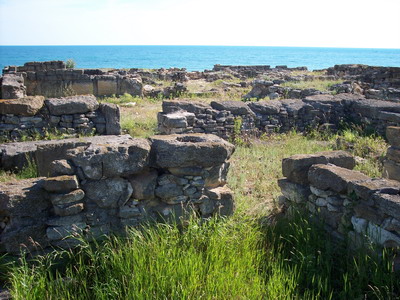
(197, 57)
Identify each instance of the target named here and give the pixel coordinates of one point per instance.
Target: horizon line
(153, 45)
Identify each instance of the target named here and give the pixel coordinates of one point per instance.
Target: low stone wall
(277, 115)
(348, 202)
(53, 79)
(77, 114)
(103, 184)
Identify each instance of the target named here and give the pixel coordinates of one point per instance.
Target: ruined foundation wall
(32, 116)
(348, 202)
(101, 185)
(277, 115)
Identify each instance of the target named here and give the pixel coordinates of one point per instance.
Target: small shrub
(70, 64)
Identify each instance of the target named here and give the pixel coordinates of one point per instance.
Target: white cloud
(340, 23)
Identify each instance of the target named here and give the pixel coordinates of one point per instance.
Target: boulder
(72, 105)
(12, 86)
(26, 106)
(296, 167)
(189, 150)
(333, 177)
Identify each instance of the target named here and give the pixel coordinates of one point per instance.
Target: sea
(197, 58)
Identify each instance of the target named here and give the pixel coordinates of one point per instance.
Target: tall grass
(246, 256)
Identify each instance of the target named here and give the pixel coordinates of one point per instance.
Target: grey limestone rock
(72, 105)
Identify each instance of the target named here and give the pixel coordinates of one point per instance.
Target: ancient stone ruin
(277, 115)
(36, 115)
(98, 185)
(347, 201)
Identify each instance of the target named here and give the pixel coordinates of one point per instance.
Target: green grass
(321, 85)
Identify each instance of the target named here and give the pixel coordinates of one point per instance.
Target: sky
(302, 23)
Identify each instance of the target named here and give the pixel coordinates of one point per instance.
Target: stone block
(189, 150)
(67, 198)
(393, 154)
(365, 189)
(106, 85)
(26, 106)
(111, 158)
(223, 198)
(237, 108)
(112, 192)
(12, 86)
(112, 116)
(391, 170)
(296, 167)
(388, 204)
(144, 184)
(82, 87)
(333, 177)
(72, 105)
(294, 192)
(216, 176)
(61, 167)
(393, 136)
(61, 184)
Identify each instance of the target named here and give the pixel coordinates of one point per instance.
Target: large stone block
(26, 106)
(108, 193)
(189, 150)
(388, 204)
(393, 154)
(132, 86)
(106, 85)
(12, 86)
(106, 159)
(293, 191)
(144, 184)
(365, 189)
(296, 167)
(112, 115)
(393, 136)
(61, 184)
(333, 177)
(72, 105)
(83, 87)
(235, 107)
(391, 170)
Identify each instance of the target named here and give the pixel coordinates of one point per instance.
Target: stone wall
(35, 115)
(103, 184)
(53, 79)
(277, 115)
(348, 202)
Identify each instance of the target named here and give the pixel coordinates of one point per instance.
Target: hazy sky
(324, 23)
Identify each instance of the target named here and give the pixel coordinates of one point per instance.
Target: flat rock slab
(365, 189)
(334, 178)
(27, 106)
(296, 167)
(16, 155)
(235, 107)
(189, 106)
(189, 150)
(72, 105)
(107, 159)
